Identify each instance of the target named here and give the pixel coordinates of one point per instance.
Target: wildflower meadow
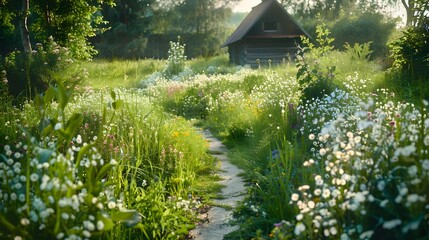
(327, 152)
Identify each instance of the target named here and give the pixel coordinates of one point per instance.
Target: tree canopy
(70, 23)
(139, 25)
(133, 28)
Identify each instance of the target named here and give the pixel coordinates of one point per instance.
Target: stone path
(216, 226)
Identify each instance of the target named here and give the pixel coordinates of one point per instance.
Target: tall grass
(98, 164)
(119, 73)
(292, 165)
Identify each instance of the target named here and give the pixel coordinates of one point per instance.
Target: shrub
(368, 27)
(34, 73)
(176, 59)
(315, 79)
(411, 52)
(5, 98)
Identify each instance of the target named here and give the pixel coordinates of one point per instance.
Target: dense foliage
(411, 52)
(128, 24)
(145, 28)
(368, 27)
(97, 165)
(70, 23)
(26, 76)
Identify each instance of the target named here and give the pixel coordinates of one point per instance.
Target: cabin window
(270, 26)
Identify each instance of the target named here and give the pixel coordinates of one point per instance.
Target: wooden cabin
(268, 33)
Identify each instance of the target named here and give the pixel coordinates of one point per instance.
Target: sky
(246, 5)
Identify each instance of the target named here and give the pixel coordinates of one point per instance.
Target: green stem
(12, 229)
(27, 186)
(58, 220)
(9, 226)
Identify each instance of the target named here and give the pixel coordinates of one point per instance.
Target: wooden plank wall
(276, 51)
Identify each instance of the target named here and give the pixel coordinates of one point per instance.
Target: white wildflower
(326, 193)
(100, 225)
(366, 235)
(333, 231)
(79, 139)
(392, 223)
(111, 205)
(58, 126)
(86, 233)
(299, 228)
(295, 197)
(425, 164)
(412, 170)
(60, 235)
(25, 221)
(412, 198)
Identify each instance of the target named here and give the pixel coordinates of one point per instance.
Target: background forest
(143, 28)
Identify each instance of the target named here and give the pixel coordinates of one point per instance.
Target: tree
(129, 25)
(60, 29)
(70, 23)
(368, 27)
(326, 9)
(25, 34)
(411, 50)
(331, 9)
(201, 23)
(416, 10)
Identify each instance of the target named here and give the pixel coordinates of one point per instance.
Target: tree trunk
(409, 8)
(26, 44)
(25, 34)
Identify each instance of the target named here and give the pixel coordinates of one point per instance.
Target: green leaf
(38, 102)
(129, 217)
(108, 223)
(103, 171)
(113, 95)
(62, 95)
(117, 104)
(49, 95)
(44, 155)
(47, 130)
(73, 124)
(82, 153)
(64, 134)
(141, 227)
(166, 212)
(43, 124)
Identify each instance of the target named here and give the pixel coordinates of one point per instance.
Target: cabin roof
(253, 17)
